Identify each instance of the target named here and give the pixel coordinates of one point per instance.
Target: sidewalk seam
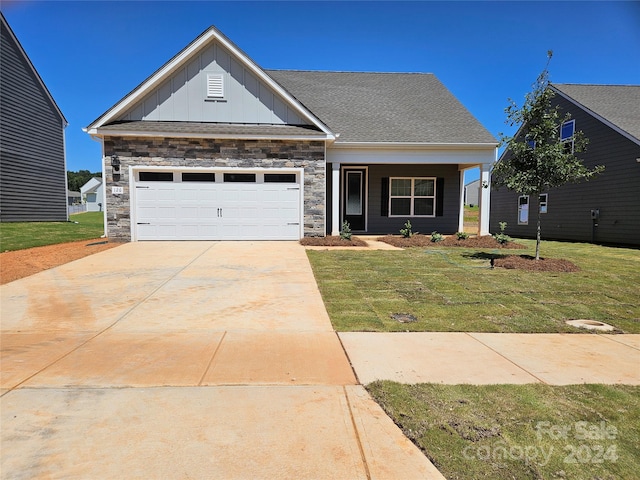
(355, 429)
(506, 358)
(224, 334)
(613, 339)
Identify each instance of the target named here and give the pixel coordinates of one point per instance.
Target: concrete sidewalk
(494, 358)
(186, 360)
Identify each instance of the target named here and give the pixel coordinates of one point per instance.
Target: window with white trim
(215, 85)
(567, 135)
(523, 210)
(412, 197)
(544, 201)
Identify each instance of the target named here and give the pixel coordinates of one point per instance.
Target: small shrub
(345, 233)
(436, 237)
(502, 238)
(406, 232)
(462, 235)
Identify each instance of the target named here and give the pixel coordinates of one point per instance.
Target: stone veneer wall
(186, 152)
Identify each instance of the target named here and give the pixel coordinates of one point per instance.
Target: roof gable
(385, 107)
(616, 105)
(178, 91)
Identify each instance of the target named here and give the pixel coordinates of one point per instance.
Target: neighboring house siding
(183, 97)
(449, 198)
(615, 193)
(182, 152)
(32, 168)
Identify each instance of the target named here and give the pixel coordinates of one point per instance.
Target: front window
(412, 197)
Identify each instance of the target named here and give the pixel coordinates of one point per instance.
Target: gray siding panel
(32, 168)
(616, 193)
(183, 96)
(446, 224)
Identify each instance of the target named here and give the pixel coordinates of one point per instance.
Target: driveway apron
(186, 360)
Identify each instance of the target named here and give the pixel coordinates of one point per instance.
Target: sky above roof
(90, 54)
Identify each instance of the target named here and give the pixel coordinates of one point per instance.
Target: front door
(354, 204)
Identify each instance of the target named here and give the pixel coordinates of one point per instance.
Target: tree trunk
(538, 227)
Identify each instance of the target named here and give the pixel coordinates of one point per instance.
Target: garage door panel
(217, 211)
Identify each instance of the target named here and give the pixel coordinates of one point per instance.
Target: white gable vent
(215, 85)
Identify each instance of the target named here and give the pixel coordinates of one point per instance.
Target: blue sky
(90, 54)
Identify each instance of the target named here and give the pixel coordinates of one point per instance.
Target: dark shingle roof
(618, 104)
(231, 129)
(384, 107)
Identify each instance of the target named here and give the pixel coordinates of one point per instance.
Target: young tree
(537, 159)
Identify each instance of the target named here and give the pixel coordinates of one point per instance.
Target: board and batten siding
(615, 192)
(33, 184)
(447, 223)
(183, 97)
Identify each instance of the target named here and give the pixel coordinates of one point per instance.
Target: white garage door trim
(233, 210)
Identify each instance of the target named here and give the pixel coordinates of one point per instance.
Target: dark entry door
(354, 204)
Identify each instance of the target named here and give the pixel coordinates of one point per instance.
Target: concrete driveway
(186, 360)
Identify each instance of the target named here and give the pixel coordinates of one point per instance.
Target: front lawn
(455, 289)
(20, 235)
(535, 431)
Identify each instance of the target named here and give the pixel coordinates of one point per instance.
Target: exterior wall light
(115, 163)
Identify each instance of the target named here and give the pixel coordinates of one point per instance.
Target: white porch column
(485, 198)
(335, 198)
(461, 213)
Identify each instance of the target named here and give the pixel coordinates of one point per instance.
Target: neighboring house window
(567, 132)
(92, 197)
(523, 210)
(215, 85)
(412, 197)
(544, 200)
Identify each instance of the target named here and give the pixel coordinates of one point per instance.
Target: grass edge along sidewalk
(520, 431)
(454, 289)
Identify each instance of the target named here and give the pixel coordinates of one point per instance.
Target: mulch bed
(485, 241)
(527, 262)
(332, 241)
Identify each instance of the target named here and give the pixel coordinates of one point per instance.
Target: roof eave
(595, 115)
(98, 132)
(417, 145)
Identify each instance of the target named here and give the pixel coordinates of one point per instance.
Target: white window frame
(521, 210)
(544, 202)
(215, 85)
(570, 139)
(412, 196)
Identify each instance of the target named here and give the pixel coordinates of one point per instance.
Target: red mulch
(486, 241)
(332, 241)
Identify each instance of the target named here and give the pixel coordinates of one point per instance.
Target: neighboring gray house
(93, 194)
(605, 209)
(472, 193)
(211, 146)
(33, 178)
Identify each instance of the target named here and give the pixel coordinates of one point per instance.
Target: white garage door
(231, 205)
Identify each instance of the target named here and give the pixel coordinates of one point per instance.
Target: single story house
(605, 209)
(213, 146)
(33, 179)
(93, 194)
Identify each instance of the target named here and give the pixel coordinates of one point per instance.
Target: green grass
(82, 226)
(454, 289)
(520, 431)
